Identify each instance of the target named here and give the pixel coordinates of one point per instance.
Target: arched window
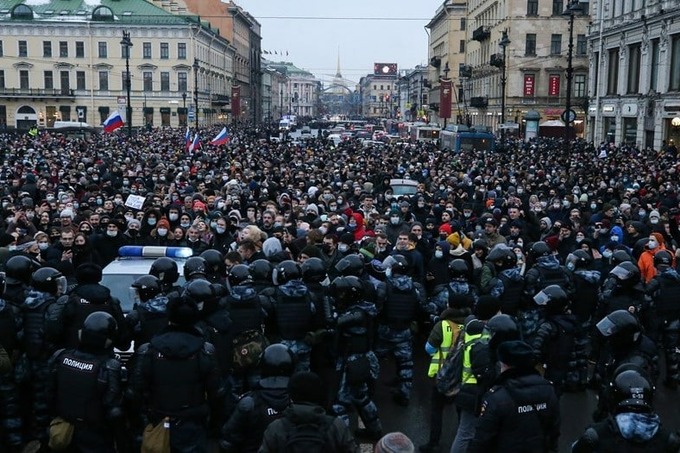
(102, 13)
(22, 11)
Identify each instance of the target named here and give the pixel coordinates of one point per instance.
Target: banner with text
(529, 85)
(235, 101)
(445, 92)
(554, 85)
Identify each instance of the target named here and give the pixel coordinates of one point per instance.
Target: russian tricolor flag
(187, 140)
(113, 122)
(221, 138)
(195, 144)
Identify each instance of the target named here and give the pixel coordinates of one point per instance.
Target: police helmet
(376, 269)
(286, 271)
(199, 291)
(49, 280)
(98, 331)
(398, 264)
(88, 273)
(145, 288)
(239, 274)
(498, 253)
(277, 361)
(195, 267)
(458, 269)
(578, 259)
(501, 328)
(313, 270)
(215, 262)
(182, 311)
(165, 269)
(663, 258)
(347, 290)
(620, 256)
(351, 264)
(19, 268)
(631, 391)
(620, 328)
(261, 270)
(539, 249)
(553, 298)
(627, 273)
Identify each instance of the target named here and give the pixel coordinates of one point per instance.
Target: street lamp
(184, 107)
(569, 115)
(504, 43)
(127, 43)
(195, 66)
(446, 77)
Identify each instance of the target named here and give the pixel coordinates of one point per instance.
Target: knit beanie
(396, 442)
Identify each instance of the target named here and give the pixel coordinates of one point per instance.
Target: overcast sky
(365, 32)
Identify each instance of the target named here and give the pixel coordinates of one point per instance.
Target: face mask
(133, 233)
(100, 201)
(652, 245)
(278, 224)
(642, 213)
(498, 188)
(323, 230)
(566, 204)
(173, 217)
(220, 205)
(394, 220)
(162, 231)
(442, 188)
(129, 217)
(556, 205)
(151, 222)
(343, 248)
(520, 191)
(579, 238)
(614, 238)
(519, 256)
(593, 206)
(381, 249)
(438, 254)
(220, 230)
(654, 221)
(351, 227)
(43, 245)
(126, 183)
(607, 253)
(48, 198)
(192, 239)
(111, 234)
(467, 214)
(185, 224)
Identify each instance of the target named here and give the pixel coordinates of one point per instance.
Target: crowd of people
(535, 262)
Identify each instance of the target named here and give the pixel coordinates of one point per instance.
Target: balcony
(480, 102)
(220, 99)
(497, 60)
(436, 61)
(465, 71)
(481, 34)
(36, 93)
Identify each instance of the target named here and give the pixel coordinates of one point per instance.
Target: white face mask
(654, 220)
(394, 220)
(343, 248)
(614, 238)
(323, 230)
(43, 245)
(607, 253)
(162, 231)
(151, 222)
(652, 244)
(438, 254)
(111, 234)
(220, 230)
(173, 217)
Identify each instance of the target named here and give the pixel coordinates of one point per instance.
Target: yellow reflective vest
(450, 331)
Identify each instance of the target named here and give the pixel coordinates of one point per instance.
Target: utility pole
(127, 43)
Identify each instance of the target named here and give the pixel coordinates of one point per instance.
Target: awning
(552, 123)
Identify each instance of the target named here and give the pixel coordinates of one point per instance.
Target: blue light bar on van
(138, 251)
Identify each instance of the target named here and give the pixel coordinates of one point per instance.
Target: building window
(2, 79)
(80, 80)
(63, 49)
(674, 84)
(182, 82)
(558, 7)
(579, 86)
(103, 53)
(80, 49)
(148, 81)
(581, 45)
(181, 51)
(654, 75)
(2, 53)
(23, 79)
(23, 49)
(65, 82)
(104, 80)
(633, 68)
(463, 23)
(165, 50)
(532, 7)
(556, 44)
(49, 80)
(124, 51)
(461, 47)
(47, 49)
(165, 81)
(530, 45)
(613, 72)
(146, 50)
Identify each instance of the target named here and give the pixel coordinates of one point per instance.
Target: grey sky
(361, 29)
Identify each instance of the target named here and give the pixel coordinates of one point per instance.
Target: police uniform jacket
(520, 413)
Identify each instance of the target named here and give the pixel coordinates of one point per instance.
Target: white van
(285, 125)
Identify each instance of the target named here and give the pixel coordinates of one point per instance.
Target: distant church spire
(337, 72)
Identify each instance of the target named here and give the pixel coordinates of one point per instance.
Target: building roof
(105, 11)
(287, 68)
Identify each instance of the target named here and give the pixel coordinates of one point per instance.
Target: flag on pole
(221, 138)
(113, 122)
(195, 144)
(187, 140)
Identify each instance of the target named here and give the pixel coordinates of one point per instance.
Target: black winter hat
(516, 354)
(306, 387)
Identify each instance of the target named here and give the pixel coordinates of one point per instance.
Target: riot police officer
(195, 268)
(18, 271)
(165, 269)
(630, 398)
(9, 343)
(247, 312)
(314, 275)
(623, 292)
(175, 379)
(264, 404)
(149, 313)
(664, 290)
(458, 293)
(261, 271)
(357, 363)
(216, 268)
(32, 370)
(400, 301)
(86, 386)
(508, 284)
(293, 311)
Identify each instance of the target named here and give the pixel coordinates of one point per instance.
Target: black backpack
(307, 437)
